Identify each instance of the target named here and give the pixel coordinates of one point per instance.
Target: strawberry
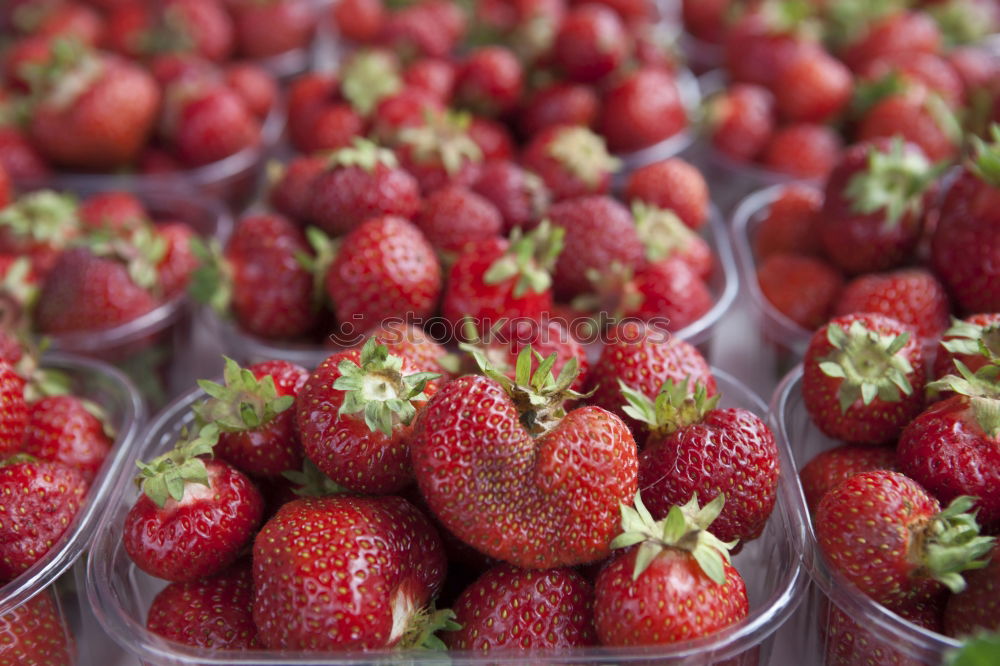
(952, 449)
(863, 378)
(13, 410)
(254, 85)
(337, 126)
(887, 536)
(899, 34)
(272, 27)
(359, 20)
(813, 88)
(924, 69)
(911, 296)
(520, 196)
(179, 261)
(677, 583)
(571, 160)
(524, 497)
(363, 182)
(433, 75)
(201, 26)
(6, 188)
(500, 280)
(70, 20)
(964, 254)
(455, 216)
(429, 27)
(412, 343)
(494, 140)
(804, 289)
(384, 268)
(40, 225)
(665, 236)
(511, 608)
(917, 116)
(672, 184)
(789, 225)
(642, 109)
(355, 414)
(591, 43)
(301, 598)
(307, 96)
(253, 411)
(36, 632)
(440, 150)
(705, 19)
(848, 643)
(489, 81)
(117, 212)
(558, 104)
(829, 469)
(803, 150)
(61, 428)
(741, 120)
(873, 207)
(762, 42)
(585, 219)
(410, 108)
(194, 516)
(211, 125)
(40, 500)
(974, 341)
(213, 612)
(974, 609)
(291, 190)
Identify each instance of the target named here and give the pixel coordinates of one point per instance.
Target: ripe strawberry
(384, 269)
(952, 449)
(291, 192)
(525, 496)
(302, 600)
(887, 536)
(337, 126)
(705, 19)
(6, 187)
(519, 196)
(813, 87)
(873, 207)
(585, 219)
(803, 151)
(789, 225)
(428, 28)
(848, 643)
(202, 26)
(433, 75)
(20, 159)
(411, 342)
(455, 216)
(571, 160)
(440, 150)
(911, 296)
(964, 253)
(40, 500)
(407, 108)
(490, 81)
(558, 103)
(897, 35)
(254, 85)
(665, 237)
(511, 608)
(500, 280)
(741, 121)
(678, 584)
(212, 612)
(179, 261)
(591, 43)
(920, 69)
(641, 110)
(69, 20)
(359, 20)
(674, 185)
(117, 212)
(863, 378)
(965, 342)
(13, 410)
(36, 633)
(804, 289)
(61, 429)
(265, 29)
(307, 96)
(974, 609)
(363, 182)
(829, 469)
(39, 225)
(919, 117)
(194, 516)
(211, 125)
(494, 140)
(758, 47)
(687, 431)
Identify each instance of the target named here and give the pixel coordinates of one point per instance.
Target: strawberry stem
(421, 630)
(973, 340)
(167, 476)
(894, 182)
(312, 482)
(530, 258)
(368, 78)
(243, 402)
(443, 139)
(584, 154)
(983, 390)
(951, 544)
(675, 406)
(870, 365)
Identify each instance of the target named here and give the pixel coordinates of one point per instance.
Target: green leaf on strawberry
(952, 544)
(368, 78)
(982, 389)
(894, 182)
(675, 406)
(166, 476)
(967, 338)
(530, 258)
(869, 364)
(982, 650)
(444, 138)
(364, 154)
(986, 160)
(211, 283)
(421, 631)
(243, 402)
(584, 154)
(42, 216)
(312, 482)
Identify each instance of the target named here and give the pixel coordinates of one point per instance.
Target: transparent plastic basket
(110, 389)
(896, 640)
(120, 594)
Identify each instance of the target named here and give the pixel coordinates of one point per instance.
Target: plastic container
(110, 389)
(891, 639)
(120, 594)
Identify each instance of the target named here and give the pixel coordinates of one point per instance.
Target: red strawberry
(832, 467)
(254, 414)
(454, 216)
(36, 633)
(337, 126)
(863, 379)
(212, 125)
(558, 104)
(962, 341)
(359, 20)
(489, 81)
(641, 110)
(13, 410)
(758, 47)
(179, 261)
(290, 194)
(40, 500)
(364, 182)
(789, 225)
(525, 494)
(39, 225)
(254, 85)
(741, 121)
(705, 19)
(911, 296)
(519, 196)
(919, 117)
(803, 151)
(804, 289)
(813, 87)
(974, 609)
(848, 643)
(307, 96)
(69, 20)
(511, 608)
(302, 601)
(676, 585)
(674, 185)
(265, 29)
(408, 108)
(433, 75)
(6, 188)
(898, 34)
(118, 212)
(440, 150)
(571, 160)
(194, 516)
(210, 612)
(411, 342)
(199, 25)
(429, 28)
(19, 158)
(887, 536)
(924, 69)
(591, 43)
(62, 429)
(494, 140)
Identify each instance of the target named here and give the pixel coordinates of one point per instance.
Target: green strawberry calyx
(310, 481)
(421, 630)
(584, 154)
(982, 649)
(846, 21)
(443, 139)
(242, 402)
(893, 183)
(962, 21)
(950, 544)
(167, 476)
(69, 71)
(869, 364)
(685, 528)
(676, 405)
(212, 281)
(986, 161)
(18, 295)
(142, 251)
(969, 339)
(368, 78)
(661, 231)
(364, 154)
(530, 258)
(982, 389)
(43, 217)
(378, 387)
(318, 262)
(870, 92)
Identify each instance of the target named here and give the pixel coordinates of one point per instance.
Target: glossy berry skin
(558, 104)
(384, 268)
(910, 116)
(290, 195)
(849, 643)
(520, 197)
(803, 150)
(559, 174)
(591, 43)
(672, 294)
(60, 429)
(789, 223)
(112, 211)
(179, 262)
(433, 75)
(529, 508)
(212, 126)
(671, 601)
(303, 599)
(976, 608)
(490, 80)
(803, 289)
(911, 296)
(897, 35)
(345, 197)
(201, 534)
(832, 467)
(454, 216)
(212, 612)
(742, 121)
(13, 410)
(948, 452)
(879, 422)
(672, 184)
(813, 87)
(36, 633)
(944, 362)
(40, 500)
(643, 109)
(511, 608)
(865, 527)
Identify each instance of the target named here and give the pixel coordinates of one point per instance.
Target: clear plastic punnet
(120, 593)
(819, 630)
